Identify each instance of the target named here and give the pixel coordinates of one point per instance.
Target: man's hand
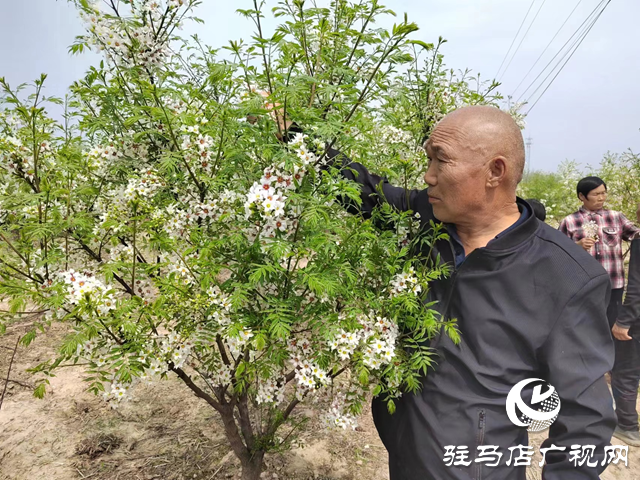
(587, 243)
(621, 333)
(276, 111)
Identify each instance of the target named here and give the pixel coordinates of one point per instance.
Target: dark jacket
(530, 304)
(629, 316)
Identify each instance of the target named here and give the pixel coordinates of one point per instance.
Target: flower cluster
(405, 282)
(270, 391)
(20, 158)
(110, 153)
(309, 375)
(133, 42)
(176, 349)
(106, 34)
(182, 271)
(82, 287)
(337, 417)
(117, 392)
(145, 186)
(237, 343)
(388, 134)
(218, 298)
(267, 198)
(376, 338)
(591, 230)
(97, 351)
(222, 376)
(179, 216)
(176, 106)
(145, 290)
(405, 230)
(197, 145)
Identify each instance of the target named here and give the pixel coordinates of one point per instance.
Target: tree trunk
(251, 461)
(252, 467)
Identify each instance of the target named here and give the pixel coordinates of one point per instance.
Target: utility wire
(547, 47)
(567, 61)
(514, 39)
(522, 40)
(578, 30)
(568, 53)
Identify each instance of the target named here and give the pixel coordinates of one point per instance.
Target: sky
(591, 108)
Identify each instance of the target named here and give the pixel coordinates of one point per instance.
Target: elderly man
(529, 303)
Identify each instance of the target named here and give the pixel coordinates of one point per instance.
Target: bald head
(491, 133)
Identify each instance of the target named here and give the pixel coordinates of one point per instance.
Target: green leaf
(452, 332)
(259, 341)
(40, 391)
(28, 337)
(363, 376)
(427, 46)
(391, 407)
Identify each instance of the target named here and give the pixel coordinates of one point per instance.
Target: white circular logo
(544, 408)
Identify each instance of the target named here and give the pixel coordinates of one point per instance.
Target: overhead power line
(576, 35)
(514, 39)
(547, 47)
(523, 37)
(582, 33)
(572, 53)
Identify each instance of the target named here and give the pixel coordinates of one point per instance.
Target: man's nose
(429, 178)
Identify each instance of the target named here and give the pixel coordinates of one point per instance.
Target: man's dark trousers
(625, 375)
(625, 378)
(615, 303)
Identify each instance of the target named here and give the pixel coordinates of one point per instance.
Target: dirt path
(164, 433)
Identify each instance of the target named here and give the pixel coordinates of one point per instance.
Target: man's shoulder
(566, 257)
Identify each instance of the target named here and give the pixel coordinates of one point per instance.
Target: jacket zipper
(480, 440)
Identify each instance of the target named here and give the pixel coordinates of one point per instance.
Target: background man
(600, 232)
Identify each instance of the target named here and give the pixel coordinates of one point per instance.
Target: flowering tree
(426, 91)
(174, 237)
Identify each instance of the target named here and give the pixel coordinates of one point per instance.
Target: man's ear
(497, 173)
(582, 198)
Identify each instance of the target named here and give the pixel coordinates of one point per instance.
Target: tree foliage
(174, 237)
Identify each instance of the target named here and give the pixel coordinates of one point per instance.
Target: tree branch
(9, 372)
(196, 389)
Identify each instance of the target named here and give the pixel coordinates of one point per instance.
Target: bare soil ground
(163, 433)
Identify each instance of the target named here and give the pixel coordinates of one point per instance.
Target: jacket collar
(517, 235)
(506, 241)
